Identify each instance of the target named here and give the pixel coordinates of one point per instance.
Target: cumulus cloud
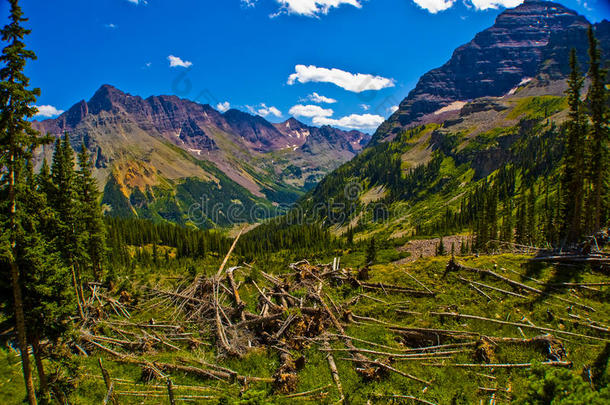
(264, 111)
(356, 83)
(316, 98)
(310, 111)
(311, 8)
(364, 122)
(248, 3)
(137, 2)
(47, 111)
(392, 109)
(223, 107)
(487, 4)
(365, 107)
(434, 6)
(111, 26)
(175, 61)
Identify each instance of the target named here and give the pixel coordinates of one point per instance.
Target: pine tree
(573, 170)
(531, 227)
(440, 249)
(64, 201)
(521, 220)
(492, 216)
(17, 140)
(506, 233)
(47, 302)
(350, 236)
(599, 135)
(463, 248)
(371, 252)
(90, 214)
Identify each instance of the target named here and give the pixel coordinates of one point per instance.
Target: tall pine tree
(64, 201)
(17, 140)
(573, 168)
(598, 135)
(90, 214)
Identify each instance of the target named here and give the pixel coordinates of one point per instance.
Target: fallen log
(214, 374)
(500, 365)
(333, 371)
(516, 324)
(453, 266)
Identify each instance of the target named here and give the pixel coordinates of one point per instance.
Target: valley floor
(420, 332)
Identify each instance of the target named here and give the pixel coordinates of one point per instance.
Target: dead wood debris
(290, 312)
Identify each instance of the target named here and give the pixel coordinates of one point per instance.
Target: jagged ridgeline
(165, 158)
(478, 144)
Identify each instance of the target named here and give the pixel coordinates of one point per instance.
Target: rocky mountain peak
(494, 62)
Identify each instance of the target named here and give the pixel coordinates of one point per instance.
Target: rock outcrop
(523, 42)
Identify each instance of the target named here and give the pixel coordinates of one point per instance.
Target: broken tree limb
(471, 282)
(214, 374)
(240, 305)
(333, 371)
(108, 382)
(500, 365)
(453, 265)
(521, 325)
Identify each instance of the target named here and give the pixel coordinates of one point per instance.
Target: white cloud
(310, 111)
(264, 111)
(356, 83)
(365, 122)
(249, 3)
(136, 2)
(487, 4)
(434, 6)
(311, 8)
(223, 107)
(148, 64)
(392, 109)
(111, 26)
(365, 107)
(316, 98)
(47, 111)
(175, 61)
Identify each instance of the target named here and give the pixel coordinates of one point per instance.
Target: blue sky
(266, 56)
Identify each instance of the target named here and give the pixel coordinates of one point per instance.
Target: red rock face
(187, 123)
(496, 60)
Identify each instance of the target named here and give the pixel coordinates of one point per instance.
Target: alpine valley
(158, 156)
(492, 114)
(163, 252)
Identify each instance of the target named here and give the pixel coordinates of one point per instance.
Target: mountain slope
(450, 137)
(145, 150)
(521, 42)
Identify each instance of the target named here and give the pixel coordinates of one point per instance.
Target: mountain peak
(106, 98)
(495, 61)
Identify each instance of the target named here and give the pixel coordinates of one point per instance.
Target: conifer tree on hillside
(64, 200)
(17, 140)
(599, 137)
(521, 220)
(573, 168)
(506, 232)
(47, 299)
(371, 252)
(532, 222)
(90, 214)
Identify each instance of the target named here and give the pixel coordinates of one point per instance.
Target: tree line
(528, 201)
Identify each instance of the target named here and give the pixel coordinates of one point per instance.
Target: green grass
(448, 385)
(538, 107)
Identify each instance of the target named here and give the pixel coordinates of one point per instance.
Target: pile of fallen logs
(289, 313)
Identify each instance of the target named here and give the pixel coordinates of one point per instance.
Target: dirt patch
(428, 247)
